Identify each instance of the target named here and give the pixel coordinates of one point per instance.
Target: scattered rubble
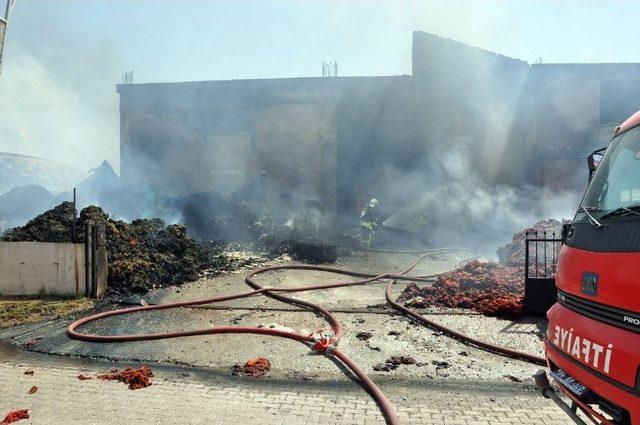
(393, 362)
(513, 378)
(135, 378)
(302, 376)
(313, 251)
(513, 253)
(239, 261)
(29, 372)
(31, 343)
(15, 416)
(485, 287)
(306, 250)
(402, 359)
(256, 368)
(364, 336)
(440, 364)
(384, 367)
(84, 377)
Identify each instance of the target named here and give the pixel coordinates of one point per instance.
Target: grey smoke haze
(58, 100)
(464, 210)
(57, 90)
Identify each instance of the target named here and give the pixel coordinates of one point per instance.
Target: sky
(63, 59)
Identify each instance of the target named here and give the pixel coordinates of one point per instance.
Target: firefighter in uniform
(368, 222)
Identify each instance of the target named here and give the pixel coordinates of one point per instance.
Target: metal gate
(541, 259)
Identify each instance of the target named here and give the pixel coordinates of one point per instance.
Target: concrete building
(341, 140)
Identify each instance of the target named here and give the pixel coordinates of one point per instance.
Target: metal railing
(541, 255)
(541, 261)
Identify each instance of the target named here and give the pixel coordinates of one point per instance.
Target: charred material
(393, 362)
(142, 254)
(54, 225)
(312, 251)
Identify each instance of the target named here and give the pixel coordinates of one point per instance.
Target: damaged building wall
(187, 138)
(340, 141)
(472, 98)
(313, 137)
(377, 134)
(572, 110)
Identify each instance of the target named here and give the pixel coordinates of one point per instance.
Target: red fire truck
(593, 339)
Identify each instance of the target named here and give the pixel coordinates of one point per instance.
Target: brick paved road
(201, 398)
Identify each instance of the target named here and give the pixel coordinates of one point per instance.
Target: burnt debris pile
(211, 216)
(307, 250)
(142, 255)
(147, 254)
(513, 253)
(55, 225)
(486, 287)
(258, 214)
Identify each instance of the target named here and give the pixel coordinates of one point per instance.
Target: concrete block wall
(45, 269)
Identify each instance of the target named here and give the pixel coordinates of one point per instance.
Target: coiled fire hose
(323, 342)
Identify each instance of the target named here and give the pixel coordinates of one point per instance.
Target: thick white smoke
(57, 91)
(463, 210)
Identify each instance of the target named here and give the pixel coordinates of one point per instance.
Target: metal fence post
(526, 257)
(87, 257)
(94, 262)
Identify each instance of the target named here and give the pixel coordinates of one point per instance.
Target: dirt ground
(15, 310)
(360, 309)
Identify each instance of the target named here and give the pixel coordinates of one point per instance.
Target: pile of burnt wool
(142, 255)
(485, 287)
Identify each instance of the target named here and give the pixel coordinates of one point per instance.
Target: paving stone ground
(180, 397)
(474, 390)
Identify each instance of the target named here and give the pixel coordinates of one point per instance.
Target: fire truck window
(617, 179)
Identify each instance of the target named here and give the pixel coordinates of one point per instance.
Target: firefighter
(368, 222)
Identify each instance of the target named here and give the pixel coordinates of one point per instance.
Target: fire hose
(322, 342)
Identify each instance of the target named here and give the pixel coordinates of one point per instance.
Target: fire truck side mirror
(593, 161)
(567, 231)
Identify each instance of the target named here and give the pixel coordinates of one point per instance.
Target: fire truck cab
(593, 338)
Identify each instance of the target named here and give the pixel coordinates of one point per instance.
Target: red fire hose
(325, 343)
